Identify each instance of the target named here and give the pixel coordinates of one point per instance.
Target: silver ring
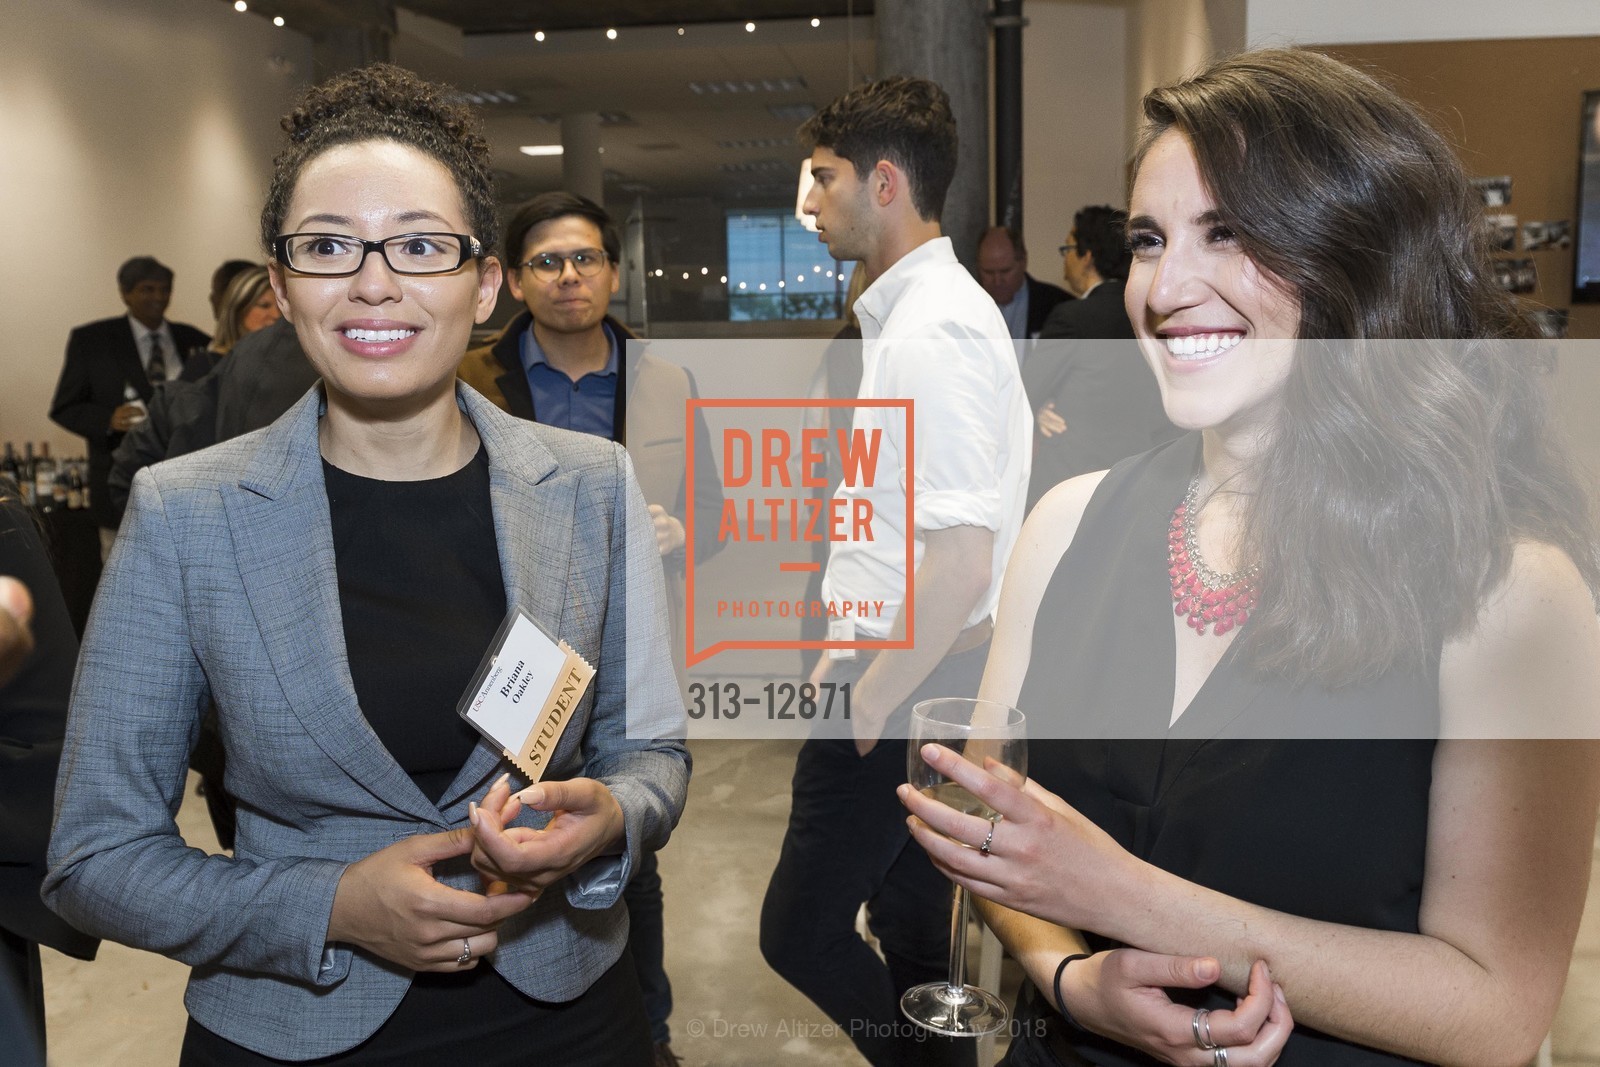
(984, 848)
(466, 952)
(1201, 1025)
(1219, 1057)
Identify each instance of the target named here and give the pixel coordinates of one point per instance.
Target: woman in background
(247, 306)
(1364, 540)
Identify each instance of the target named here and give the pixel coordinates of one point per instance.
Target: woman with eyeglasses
(332, 583)
(1325, 673)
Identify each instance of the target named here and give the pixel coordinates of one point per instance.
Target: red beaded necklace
(1221, 601)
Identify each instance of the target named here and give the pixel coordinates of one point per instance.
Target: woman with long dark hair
(1371, 553)
(331, 584)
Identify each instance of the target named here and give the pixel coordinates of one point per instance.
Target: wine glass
(976, 730)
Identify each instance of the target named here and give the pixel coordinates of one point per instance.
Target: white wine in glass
(977, 731)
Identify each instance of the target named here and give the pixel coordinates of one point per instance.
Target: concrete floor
(125, 1009)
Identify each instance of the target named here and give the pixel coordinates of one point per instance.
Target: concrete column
(948, 42)
(582, 170)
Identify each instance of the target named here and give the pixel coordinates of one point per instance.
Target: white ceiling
(673, 141)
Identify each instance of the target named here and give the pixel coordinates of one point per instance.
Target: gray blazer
(222, 587)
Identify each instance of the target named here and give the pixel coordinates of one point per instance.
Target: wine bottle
(74, 486)
(44, 479)
(25, 474)
(9, 468)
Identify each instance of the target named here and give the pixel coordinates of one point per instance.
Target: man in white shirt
(883, 156)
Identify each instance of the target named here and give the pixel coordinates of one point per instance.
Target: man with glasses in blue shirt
(564, 361)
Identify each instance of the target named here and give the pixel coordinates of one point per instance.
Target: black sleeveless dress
(1233, 796)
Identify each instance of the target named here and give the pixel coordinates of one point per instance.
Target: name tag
(523, 693)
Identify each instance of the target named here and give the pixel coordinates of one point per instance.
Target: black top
(421, 596)
(1327, 829)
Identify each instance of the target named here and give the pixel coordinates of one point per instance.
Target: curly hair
(904, 120)
(383, 102)
(1399, 477)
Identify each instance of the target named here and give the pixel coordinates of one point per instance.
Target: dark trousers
(847, 844)
(21, 999)
(476, 1018)
(646, 942)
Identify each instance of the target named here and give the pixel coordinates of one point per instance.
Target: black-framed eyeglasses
(547, 266)
(337, 255)
(1064, 249)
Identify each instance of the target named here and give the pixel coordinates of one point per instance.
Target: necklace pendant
(1220, 602)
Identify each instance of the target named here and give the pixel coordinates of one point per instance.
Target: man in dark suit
(110, 368)
(1024, 300)
(1094, 399)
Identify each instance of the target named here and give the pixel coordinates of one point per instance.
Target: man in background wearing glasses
(565, 362)
(1094, 398)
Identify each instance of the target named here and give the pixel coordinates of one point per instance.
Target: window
(777, 269)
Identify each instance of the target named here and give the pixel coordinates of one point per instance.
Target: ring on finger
(987, 841)
(1201, 1025)
(466, 953)
(1219, 1057)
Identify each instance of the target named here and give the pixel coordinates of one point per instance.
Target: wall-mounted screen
(1586, 262)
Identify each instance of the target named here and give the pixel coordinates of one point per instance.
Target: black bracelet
(1061, 1004)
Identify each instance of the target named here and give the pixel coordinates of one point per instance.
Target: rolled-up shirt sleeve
(959, 429)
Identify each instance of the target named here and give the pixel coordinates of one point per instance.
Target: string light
(658, 272)
(685, 275)
(240, 6)
(725, 281)
(762, 287)
(815, 23)
(707, 270)
(749, 27)
(780, 285)
(538, 35)
(680, 31)
(799, 277)
(611, 34)
(741, 285)
(277, 20)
